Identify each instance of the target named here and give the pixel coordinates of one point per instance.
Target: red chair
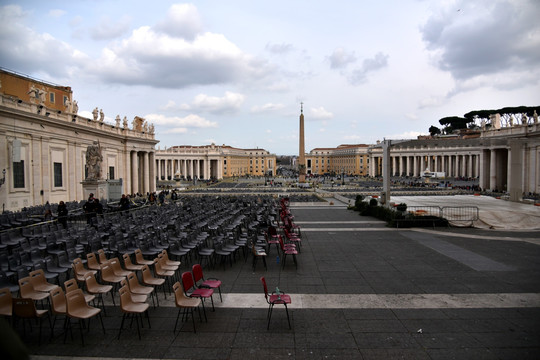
(288, 249)
(276, 298)
(210, 283)
(190, 290)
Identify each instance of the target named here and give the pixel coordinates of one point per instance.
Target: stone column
(493, 170)
(152, 171)
(469, 166)
(134, 172)
(184, 168)
(158, 168)
(401, 161)
(146, 172)
(191, 169)
(394, 166)
(415, 166)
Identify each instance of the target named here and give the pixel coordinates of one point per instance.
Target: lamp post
(342, 176)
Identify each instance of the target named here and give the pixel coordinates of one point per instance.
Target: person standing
(62, 214)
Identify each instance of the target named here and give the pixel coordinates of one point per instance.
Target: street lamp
(342, 176)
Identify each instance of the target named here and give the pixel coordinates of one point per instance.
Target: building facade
(213, 162)
(344, 159)
(43, 145)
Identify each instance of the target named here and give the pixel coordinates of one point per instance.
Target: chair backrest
(102, 256)
(92, 260)
(78, 266)
(74, 302)
(263, 280)
(71, 285)
(115, 264)
(58, 301)
(24, 308)
(106, 271)
(125, 297)
(133, 282)
(37, 277)
(179, 293)
(187, 280)
(197, 272)
(146, 273)
(91, 282)
(25, 287)
(5, 302)
(138, 255)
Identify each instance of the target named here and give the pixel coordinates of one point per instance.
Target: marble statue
(524, 119)
(117, 119)
(93, 161)
(101, 115)
(95, 113)
(69, 106)
(75, 107)
(145, 127)
(535, 117)
(151, 129)
(125, 122)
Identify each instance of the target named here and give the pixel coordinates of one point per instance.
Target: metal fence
(462, 215)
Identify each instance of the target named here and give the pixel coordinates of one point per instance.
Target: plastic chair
(39, 282)
(102, 256)
(149, 280)
(288, 250)
(128, 265)
(138, 298)
(94, 288)
(71, 285)
(108, 276)
(169, 261)
(160, 271)
(191, 291)
(78, 308)
(92, 262)
(139, 259)
(131, 308)
(58, 304)
(27, 291)
(164, 264)
(258, 253)
(139, 289)
(117, 268)
(25, 308)
(79, 271)
(210, 283)
(185, 303)
(276, 298)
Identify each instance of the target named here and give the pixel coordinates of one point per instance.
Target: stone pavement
(361, 291)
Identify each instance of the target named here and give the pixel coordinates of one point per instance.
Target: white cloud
(269, 107)
(340, 58)
(182, 20)
(188, 121)
(229, 103)
(433, 101)
(485, 37)
(319, 113)
(108, 28)
(359, 75)
(411, 116)
(279, 48)
(33, 52)
(178, 130)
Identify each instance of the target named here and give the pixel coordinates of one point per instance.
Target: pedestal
(98, 187)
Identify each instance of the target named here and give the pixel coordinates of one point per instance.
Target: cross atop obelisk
(302, 150)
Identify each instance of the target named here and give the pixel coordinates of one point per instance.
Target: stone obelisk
(302, 150)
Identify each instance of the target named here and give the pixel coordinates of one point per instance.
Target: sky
(235, 72)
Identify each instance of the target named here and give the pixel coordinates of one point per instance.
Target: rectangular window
(57, 174)
(51, 98)
(18, 174)
(111, 172)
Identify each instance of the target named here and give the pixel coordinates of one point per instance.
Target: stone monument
(302, 150)
(94, 182)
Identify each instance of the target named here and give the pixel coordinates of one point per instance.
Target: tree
(452, 123)
(433, 130)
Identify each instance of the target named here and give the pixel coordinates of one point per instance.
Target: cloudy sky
(235, 72)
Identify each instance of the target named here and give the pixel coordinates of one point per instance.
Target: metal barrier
(455, 214)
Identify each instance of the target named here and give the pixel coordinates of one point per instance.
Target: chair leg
(177, 317)
(270, 316)
(121, 326)
(287, 311)
(81, 325)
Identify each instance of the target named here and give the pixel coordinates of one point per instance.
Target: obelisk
(302, 150)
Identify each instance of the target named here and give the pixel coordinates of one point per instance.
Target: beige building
(43, 145)
(213, 162)
(348, 159)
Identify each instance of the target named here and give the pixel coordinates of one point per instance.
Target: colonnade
(459, 165)
(195, 168)
(142, 175)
